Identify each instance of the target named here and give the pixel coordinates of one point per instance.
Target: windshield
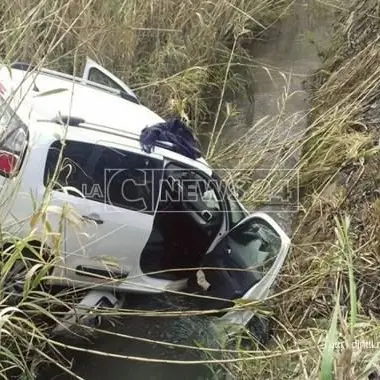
(257, 244)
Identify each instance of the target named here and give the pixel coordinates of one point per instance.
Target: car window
(99, 173)
(257, 243)
(197, 189)
(97, 76)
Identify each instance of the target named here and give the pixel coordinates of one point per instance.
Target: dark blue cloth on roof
(174, 131)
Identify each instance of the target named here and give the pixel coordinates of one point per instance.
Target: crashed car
(130, 220)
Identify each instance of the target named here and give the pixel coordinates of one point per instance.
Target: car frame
(50, 113)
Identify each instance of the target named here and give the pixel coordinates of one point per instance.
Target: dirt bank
(275, 110)
(346, 102)
(331, 306)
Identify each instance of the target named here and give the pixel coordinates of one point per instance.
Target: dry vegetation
(327, 308)
(179, 59)
(177, 56)
(173, 55)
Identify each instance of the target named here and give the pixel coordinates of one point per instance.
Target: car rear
(13, 140)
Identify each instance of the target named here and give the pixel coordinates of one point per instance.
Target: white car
(130, 221)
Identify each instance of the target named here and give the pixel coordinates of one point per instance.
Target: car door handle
(93, 218)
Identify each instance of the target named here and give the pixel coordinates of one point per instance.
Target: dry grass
(176, 56)
(327, 306)
(179, 58)
(173, 55)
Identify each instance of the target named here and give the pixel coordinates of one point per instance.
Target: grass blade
(330, 344)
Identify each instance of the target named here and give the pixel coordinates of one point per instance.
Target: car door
(110, 193)
(96, 73)
(250, 257)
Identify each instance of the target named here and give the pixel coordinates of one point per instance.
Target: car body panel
(261, 290)
(39, 98)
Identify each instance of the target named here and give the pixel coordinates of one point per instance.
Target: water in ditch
(281, 63)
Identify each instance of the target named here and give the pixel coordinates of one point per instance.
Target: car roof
(89, 135)
(57, 95)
